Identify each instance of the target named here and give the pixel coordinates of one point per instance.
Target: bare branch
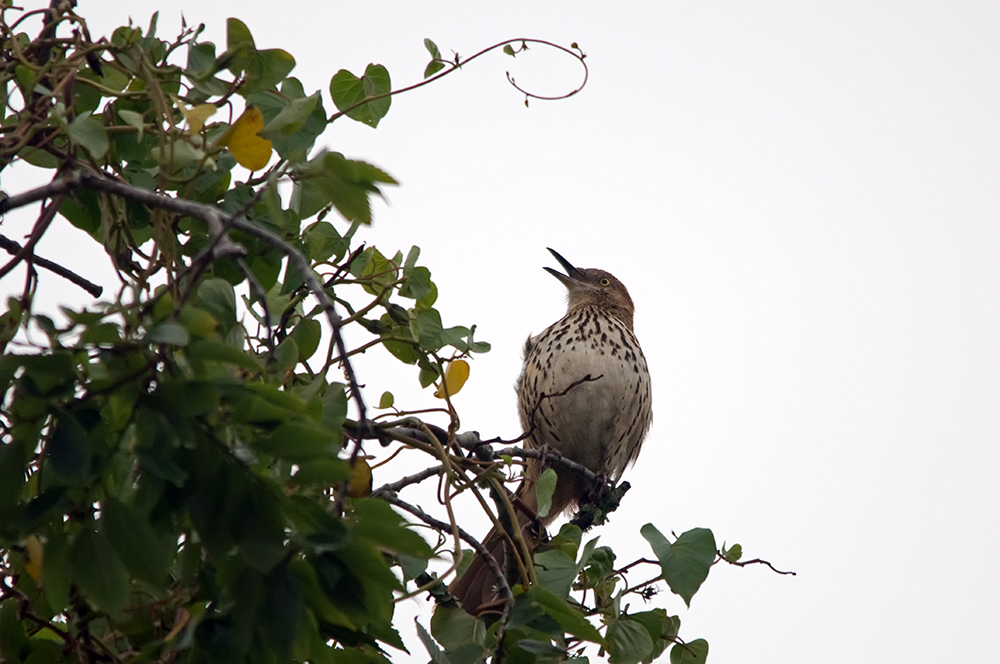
(41, 225)
(755, 561)
(504, 589)
(12, 248)
(394, 487)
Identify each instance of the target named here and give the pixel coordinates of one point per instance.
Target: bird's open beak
(572, 275)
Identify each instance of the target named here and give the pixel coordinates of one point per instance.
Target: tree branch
(12, 248)
(504, 589)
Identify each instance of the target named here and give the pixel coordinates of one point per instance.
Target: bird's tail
(477, 589)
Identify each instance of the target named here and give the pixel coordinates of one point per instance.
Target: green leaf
(733, 553)
(321, 470)
(437, 655)
(693, 652)
(387, 400)
(419, 287)
(568, 539)
(89, 134)
(628, 642)
(282, 610)
(218, 298)
(101, 333)
(660, 628)
(376, 521)
(455, 337)
(426, 328)
(685, 563)
(171, 334)
(13, 464)
(240, 46)
(570, 618)
(143, 554)
(13, 639)
(556, 571)
(197, 321)
(177, 154)
(544, 488)
(133, 119)
(291, 118)
(189, 398)
(238, 34)
(432, 49)
(404, 352)
(83, 210)
(433, 67)
(334, 406)
(293, 135)
(56, 571)
(411, 260)
(202, 349)
(298, 439)
(266, 69)
(200, 62)
(99, 572)
(452, 627)
(324, 242)
(347, 90)
(346, 183)
(69, 450)
(39, 159)
(307, 335)
(544, 651)
(428, 373)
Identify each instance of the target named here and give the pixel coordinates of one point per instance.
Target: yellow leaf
(359, 484)
(196, 116)
(34, 564)
(250, 150)
(454, 378)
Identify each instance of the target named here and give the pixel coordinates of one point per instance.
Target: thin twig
(393, 488)
(458, 64)
(756, 561)
(41, 225)
(12, 248)
(504, 589)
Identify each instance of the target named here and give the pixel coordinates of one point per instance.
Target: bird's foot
(594, 509)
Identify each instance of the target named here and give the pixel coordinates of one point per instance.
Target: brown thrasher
(584, 391)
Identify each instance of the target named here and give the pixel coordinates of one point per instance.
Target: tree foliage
(183, 472)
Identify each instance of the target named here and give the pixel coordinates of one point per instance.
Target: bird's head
(592, 287)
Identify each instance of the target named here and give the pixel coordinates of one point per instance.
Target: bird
(584, 391)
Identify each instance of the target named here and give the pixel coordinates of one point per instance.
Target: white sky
(803, 200)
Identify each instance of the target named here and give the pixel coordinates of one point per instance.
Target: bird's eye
(605, 281)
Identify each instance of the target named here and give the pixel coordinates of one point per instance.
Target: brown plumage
(584, 391)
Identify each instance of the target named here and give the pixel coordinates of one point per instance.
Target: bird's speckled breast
(585, 391)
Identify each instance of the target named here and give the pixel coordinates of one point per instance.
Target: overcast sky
(804, 201)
